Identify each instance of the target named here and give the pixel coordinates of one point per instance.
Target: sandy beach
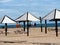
(36, 37)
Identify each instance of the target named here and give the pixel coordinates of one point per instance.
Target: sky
(16, 8)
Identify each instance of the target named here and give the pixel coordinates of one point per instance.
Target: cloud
(35, 13)
(47, 0)
(34, 4)
(1, 10)
(16, 4)
(30, 0)
(4, 1)
(8, 11)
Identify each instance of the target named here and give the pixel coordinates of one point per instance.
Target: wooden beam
(41, 24)
(27, 25)
(5, 29)
(27, 28)
(45, 26)
(24, 25)
(56, 28)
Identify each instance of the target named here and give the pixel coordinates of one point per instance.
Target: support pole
(27, 25)
(24, 25)
(56, 28)
(5, 29)
(45, 26)
(41, 24)
(27, 28)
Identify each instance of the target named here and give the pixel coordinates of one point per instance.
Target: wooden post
(24, 25)
(56, 28)
(45, 26)
(41, 24)
(27, 29)
(27, 25)
(5, 29)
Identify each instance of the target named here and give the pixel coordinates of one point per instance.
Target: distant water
(37, 25)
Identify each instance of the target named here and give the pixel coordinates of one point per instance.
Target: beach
(36, 37)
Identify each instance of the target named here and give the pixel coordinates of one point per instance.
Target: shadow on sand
(29, 42)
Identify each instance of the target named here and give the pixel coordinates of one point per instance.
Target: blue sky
(15, 8)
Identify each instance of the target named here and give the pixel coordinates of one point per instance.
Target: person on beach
(34, 24)
(17, 25)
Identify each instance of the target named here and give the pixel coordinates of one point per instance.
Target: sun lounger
(1, 32)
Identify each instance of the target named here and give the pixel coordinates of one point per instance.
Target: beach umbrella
(6, 20)
(27, 17)
(53, 16)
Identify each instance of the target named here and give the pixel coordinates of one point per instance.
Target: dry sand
(36, 37)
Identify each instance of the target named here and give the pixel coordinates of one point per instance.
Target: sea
(37, 25)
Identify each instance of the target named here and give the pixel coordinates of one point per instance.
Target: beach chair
(1, 32)
(18, 32)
